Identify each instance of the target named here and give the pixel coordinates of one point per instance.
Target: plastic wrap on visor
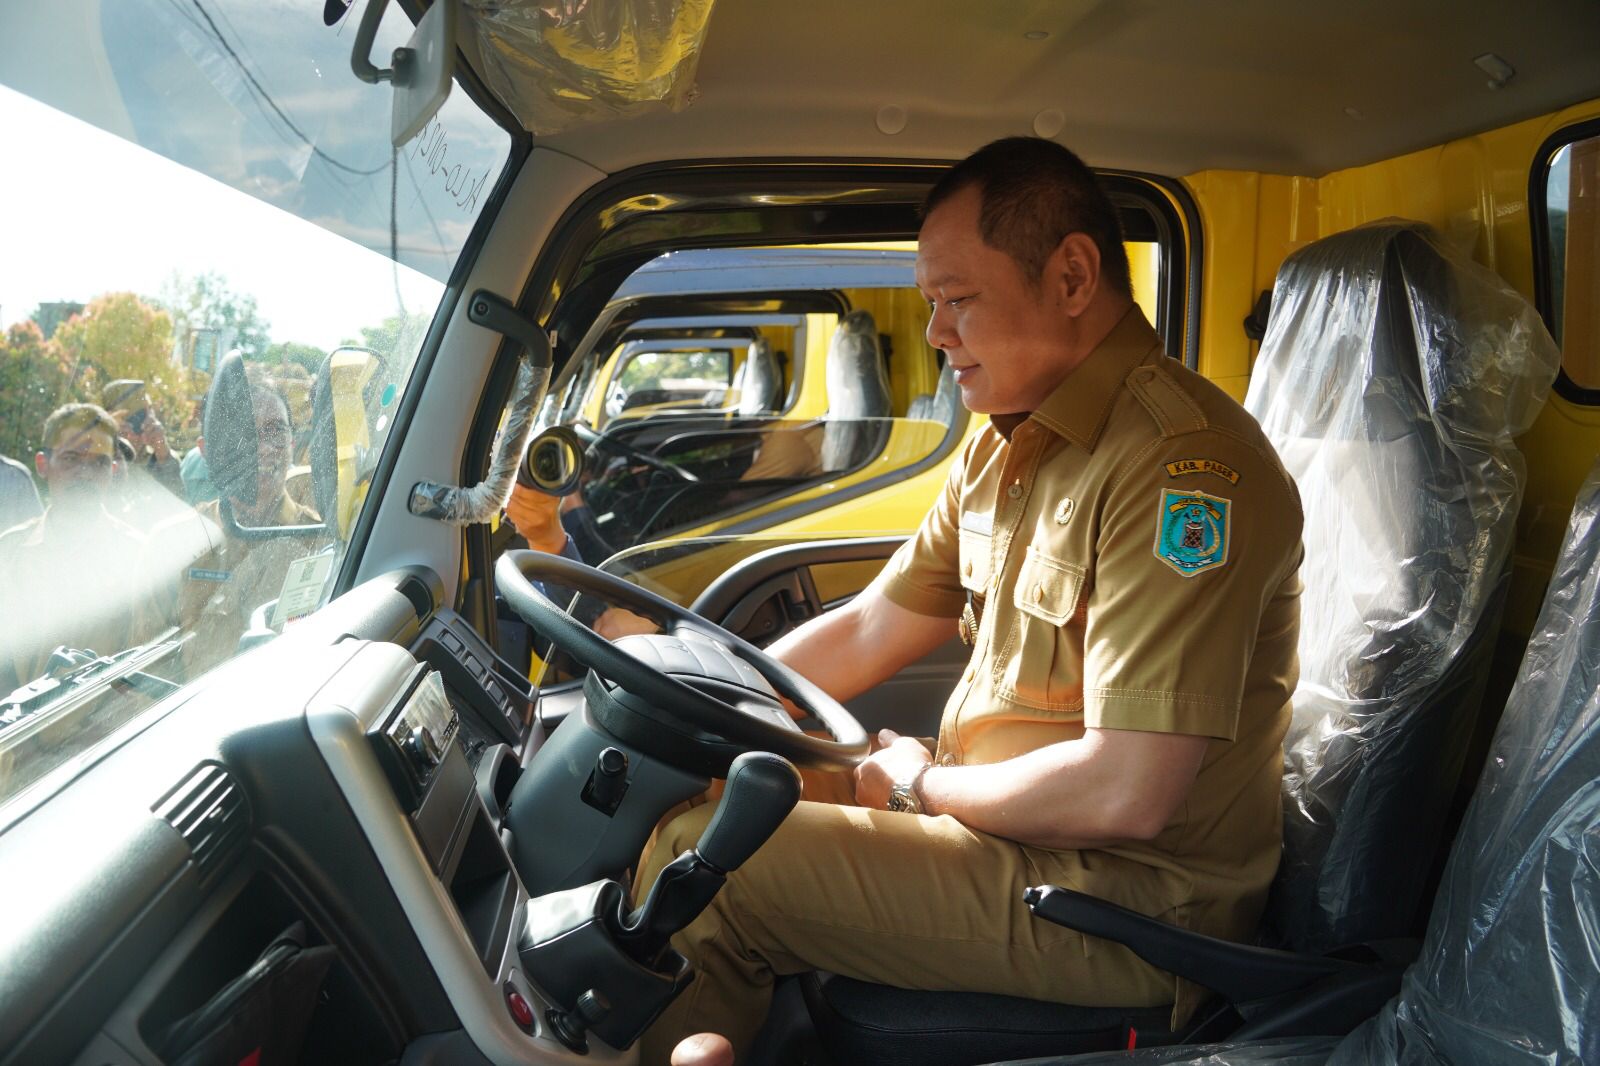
(1393, 378)
(1510, 969)
(563, 63)
(479, 503)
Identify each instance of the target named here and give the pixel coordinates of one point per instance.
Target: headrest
(759, 380)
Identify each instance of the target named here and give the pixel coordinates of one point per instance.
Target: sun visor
(572, 63)
(1393, 378)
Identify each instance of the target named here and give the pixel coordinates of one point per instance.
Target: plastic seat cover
(1393, 378)
(759, 381)
(858, 394)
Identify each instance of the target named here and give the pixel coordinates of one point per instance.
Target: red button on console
(521, 1012)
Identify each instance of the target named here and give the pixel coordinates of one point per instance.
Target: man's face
(1007, 338)
(273, 444)
(78, 467)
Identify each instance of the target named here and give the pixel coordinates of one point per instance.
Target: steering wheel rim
(515, 573)
(609, 443)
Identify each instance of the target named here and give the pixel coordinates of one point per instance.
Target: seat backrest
(856, 424)
(1510, 968)
(941, 404)
(760, 382)
(1392, 380)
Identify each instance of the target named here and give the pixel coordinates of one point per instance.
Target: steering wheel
(620, 447)
(638, 666)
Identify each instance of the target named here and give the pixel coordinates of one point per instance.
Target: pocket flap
(1047, 588)
(977, 551)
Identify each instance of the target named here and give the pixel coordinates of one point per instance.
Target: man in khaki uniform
(213, 579)
(1121, 546)
(69, 577)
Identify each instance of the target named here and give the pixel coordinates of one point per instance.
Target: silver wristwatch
(905, 797)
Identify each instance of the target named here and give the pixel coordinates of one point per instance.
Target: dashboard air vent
(209, 811)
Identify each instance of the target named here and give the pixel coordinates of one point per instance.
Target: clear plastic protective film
(1393, 378)
(464, 505)
(563, 63)
(1294, 1051)
(1510, 970)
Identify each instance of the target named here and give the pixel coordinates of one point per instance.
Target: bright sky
(86, 212)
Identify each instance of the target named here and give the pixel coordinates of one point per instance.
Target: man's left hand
(898, 759)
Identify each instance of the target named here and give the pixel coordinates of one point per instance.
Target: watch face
(901, 798)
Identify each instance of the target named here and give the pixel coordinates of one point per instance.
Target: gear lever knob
(762, 789)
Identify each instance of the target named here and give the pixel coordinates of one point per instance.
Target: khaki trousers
(899, 899)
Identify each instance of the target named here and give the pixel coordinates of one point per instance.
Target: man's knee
(673, 839)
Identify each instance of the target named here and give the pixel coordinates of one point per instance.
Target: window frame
(1539, 223)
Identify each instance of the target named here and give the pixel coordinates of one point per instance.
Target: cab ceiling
(1164, 86)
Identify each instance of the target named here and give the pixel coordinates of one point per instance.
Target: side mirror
(553, 463)
(233, 453)
(341, 439)
(229, 426)
(421, 70)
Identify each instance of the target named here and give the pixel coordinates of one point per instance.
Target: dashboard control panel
(494, 696)
(413, 738)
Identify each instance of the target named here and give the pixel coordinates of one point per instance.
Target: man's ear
(41, 463)
(1074, 272)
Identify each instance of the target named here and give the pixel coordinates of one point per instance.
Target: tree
(32, 384)
(120, 336)
(292, 353)
(205, 302)
(396, 338)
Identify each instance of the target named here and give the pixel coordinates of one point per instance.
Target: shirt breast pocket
(1040, 665)
(977, 560)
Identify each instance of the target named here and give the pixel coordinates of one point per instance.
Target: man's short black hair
(1035, 192)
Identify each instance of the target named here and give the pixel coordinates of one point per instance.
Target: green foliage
(291, 353)
(32, 384)
(205, 302)
(397, 337)
(120, 336)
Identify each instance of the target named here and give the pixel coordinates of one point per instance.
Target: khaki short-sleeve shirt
(1130, 551)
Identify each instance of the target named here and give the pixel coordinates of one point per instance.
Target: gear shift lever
(610, 972)
(761, 791)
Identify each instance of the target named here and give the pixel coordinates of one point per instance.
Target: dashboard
(304, 846)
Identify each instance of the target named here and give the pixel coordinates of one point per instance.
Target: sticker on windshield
(1192, 531)
(302, 588)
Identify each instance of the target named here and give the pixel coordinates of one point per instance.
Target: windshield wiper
(73, 669)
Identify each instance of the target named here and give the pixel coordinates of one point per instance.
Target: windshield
(187, 179)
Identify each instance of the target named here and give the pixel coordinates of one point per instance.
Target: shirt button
(1038, 594)
(967, 568)
(1014, 490)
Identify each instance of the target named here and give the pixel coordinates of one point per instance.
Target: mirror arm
(231, 525)
(361, 53)
(464, 506)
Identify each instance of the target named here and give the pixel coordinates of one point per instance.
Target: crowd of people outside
(127, 540)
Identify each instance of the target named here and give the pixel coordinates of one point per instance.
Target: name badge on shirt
(978, 522)
(197, 573)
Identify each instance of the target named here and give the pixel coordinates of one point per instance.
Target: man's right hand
(537, 517)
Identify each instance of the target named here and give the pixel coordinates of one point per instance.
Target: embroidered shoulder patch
(1192, 531)
(1203, 466)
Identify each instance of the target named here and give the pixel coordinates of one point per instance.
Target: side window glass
(1572, 230)
(758, 394)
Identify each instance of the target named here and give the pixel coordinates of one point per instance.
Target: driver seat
(1381, 728)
